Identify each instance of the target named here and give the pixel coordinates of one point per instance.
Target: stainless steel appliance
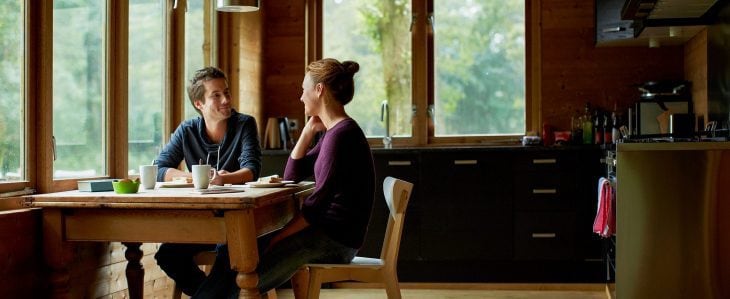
(650, 116)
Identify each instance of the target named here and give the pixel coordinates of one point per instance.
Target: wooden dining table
(168, 215)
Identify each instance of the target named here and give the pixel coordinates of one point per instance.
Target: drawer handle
(544, 161)
(465, 162)
(543, 235)
(544, 191)
(399, 163)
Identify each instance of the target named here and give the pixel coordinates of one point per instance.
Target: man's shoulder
(189, 124)
(241, 117)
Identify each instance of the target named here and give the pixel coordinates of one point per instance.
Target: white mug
(202, 175)
(148, 176)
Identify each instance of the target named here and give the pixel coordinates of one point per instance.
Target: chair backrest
(397, 193)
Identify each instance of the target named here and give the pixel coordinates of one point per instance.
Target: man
(221, 137)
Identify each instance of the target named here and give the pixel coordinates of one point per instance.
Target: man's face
(217, 102)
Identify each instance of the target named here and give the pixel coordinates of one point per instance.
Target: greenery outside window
(146, 90)
(79, 97)
(378, 38)
(452, 72)
(12, 98)
(479, 67)
(198, 39)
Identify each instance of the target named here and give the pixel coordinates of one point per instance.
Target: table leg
(57, 253)
(135, 271)
(242, 250)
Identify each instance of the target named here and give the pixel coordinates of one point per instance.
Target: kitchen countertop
(431, 149)
(672, 146)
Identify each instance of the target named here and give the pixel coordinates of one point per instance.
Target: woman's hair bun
(351, 66)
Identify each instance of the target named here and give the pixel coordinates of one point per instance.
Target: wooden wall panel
(99, 271)
(241, 56)
(574, 71)
(284, 45)
(695, 70)
(21, 269)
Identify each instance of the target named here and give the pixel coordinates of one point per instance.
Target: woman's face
(310, 96)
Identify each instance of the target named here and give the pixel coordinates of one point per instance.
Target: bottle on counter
(587, 125)
(598, 128)
(615, 133)
(607, 129)
(576, 127)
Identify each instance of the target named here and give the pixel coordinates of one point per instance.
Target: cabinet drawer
(466, 246)
(544, 161)
(544, 236)
(545, 191)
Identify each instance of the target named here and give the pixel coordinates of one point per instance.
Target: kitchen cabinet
(466, 206)
(273, 162)
(609, 25)
(493, 214)
(404, 166)
(612, 30)
(554, 206)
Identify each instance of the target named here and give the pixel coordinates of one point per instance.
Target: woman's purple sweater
(344, 177)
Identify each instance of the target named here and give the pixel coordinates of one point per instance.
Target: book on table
(96, 185)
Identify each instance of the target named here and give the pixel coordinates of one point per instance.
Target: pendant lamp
(237, 5)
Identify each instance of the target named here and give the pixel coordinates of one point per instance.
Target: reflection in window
(146, 81)
(195, 50)
(376, 35)
(12, 131)
(78, 88)
(479, 67)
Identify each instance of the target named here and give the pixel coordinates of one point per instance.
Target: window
(12, 101)
(146, 91)
(479, 67)
(473, 87)
(378, 38)
(71, 112)
(79, 103)
(197, 47)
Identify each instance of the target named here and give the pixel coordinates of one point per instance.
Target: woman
(333, 220)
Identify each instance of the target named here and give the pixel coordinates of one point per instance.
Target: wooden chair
(308, 279)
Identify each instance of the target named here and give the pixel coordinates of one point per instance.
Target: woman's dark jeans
(277, 265)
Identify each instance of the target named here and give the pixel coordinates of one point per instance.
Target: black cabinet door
(404, 166)
(544, 236)
(273, 162)
(467, 206)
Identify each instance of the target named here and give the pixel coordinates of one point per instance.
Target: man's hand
(218, 178)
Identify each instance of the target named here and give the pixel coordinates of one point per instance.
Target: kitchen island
(672, 220)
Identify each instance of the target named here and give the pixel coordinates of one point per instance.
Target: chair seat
(357, 262)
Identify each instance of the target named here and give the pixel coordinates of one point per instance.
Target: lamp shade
(237, 5)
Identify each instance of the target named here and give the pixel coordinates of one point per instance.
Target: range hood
(665, 13)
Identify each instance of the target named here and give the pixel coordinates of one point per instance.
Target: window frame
(423, 75)
(38, 89)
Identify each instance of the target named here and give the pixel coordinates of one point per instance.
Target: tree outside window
(79, 120)
(12, 135)
(479, 63)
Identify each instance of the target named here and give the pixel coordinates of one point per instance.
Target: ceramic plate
(175, 185)
(267, 185)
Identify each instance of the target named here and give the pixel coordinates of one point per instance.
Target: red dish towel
(605, 222)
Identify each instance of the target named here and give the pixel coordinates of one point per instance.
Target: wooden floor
(443, 291)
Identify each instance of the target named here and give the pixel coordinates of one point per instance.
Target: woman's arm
(295, 225)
